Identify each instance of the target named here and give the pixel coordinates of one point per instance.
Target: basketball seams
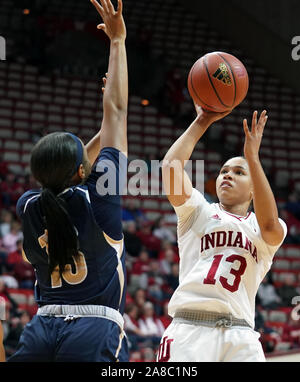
(212, 85)
(233, 77)
(196, 94)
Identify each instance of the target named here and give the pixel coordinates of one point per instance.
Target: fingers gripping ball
(218, 82)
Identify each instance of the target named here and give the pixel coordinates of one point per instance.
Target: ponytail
(54, 162)
(62, 239)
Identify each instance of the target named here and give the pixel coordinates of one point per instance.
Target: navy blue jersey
(98, 275)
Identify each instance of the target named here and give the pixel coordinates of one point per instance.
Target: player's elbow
(169, 167)
(168, 162)
(116, 108)
(272, 233)
(121, 109)
(270, 225)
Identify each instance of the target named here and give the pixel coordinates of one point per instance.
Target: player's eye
(223, 171)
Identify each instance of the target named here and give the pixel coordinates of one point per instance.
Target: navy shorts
(84, 339)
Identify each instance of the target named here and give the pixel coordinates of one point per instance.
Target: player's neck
(240, 209)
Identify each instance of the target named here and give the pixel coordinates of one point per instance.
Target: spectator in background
(287, 290)
(166, 262)
(24, 274)
(155, 286)
(166, 245)
(139, 298)
(138, 274)
(142, 264)
(134, 333)
(150, 325)
(131, 212)
(15, 257)
(173, 278)
(152, 243)
(6, 220)
(162, 232)
(9, 301)
(267, 296)
(7, 189)
(132, 242)
(15, 332)
(9, 241)
(293, 226)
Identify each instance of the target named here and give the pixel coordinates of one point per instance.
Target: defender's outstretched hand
(115, 82)
(113, 23)
(253, 138)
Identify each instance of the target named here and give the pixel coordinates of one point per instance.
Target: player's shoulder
(31, 196)
(111, 155)
(194, 213)
(25, 199)
(196, 199)
(82, 192)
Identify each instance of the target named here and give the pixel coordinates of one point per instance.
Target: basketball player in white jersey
(225, 251)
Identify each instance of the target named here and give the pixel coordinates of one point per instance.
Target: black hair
(53, 164)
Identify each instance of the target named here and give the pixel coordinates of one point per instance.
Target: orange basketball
(218, 82)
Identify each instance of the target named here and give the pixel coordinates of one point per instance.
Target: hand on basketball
(113, 23)
(253, 138)
(209, 117)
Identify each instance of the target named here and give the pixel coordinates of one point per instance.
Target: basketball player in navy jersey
(73, 231)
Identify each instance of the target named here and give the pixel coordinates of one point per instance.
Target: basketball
(218, 82)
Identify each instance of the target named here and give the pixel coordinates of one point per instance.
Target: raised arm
(113, 132)
(177, 184)
(93, 146)
(263, 199)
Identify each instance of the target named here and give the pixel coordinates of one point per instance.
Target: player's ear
(81, 171)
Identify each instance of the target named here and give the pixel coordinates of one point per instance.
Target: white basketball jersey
(223, 259)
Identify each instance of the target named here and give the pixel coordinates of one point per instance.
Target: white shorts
(192, 343)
